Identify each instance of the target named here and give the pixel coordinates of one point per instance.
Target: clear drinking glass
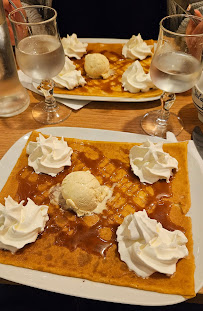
(40, 55)
(175, 68)
(14, 99)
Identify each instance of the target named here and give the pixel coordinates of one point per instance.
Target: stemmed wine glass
(175, 68)
(40, 55)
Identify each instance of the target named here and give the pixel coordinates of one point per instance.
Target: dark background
(110, 18)
(22, 298)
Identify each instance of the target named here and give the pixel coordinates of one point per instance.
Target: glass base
(152, 127)
(14, 103)
(50, 115)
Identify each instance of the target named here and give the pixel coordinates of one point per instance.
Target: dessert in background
(150, 163)
(111, 86)
(73, 47)
(20, 224)
(69, 77)
(83, 193)
(135, 80)
(48, 155)
(97, 66)
(146, 247)
(136, 48)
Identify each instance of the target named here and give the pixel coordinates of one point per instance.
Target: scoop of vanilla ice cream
(97, 66)
(84, 194)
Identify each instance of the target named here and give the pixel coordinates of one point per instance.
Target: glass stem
(47, 87)
(167, 100)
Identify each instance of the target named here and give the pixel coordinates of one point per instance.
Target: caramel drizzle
(73, 232)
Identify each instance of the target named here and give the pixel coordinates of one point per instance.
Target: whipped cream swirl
(136, 48)
(134, 79)
(19, 224)
(150, 163)
(73, 47)
(146, 247)
(48, 155)
(69, 77)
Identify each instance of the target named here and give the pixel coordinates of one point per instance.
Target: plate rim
(156, 299)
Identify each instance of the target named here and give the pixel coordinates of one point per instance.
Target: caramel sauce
(116, 61)
(71, 231)
(87, 238)
(112, 86)
(161, 214)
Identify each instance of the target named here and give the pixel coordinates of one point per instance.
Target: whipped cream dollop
(19, 224)
(83, 193)
(48, 155)
(134, 79)
(73, 47)
(69, 77)
(136, 48)
(150, 163)
(146, 247)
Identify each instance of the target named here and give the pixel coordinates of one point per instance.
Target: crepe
(86, 247)
(112, 86)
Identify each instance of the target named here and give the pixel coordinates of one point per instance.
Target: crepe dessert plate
(109, 89)
(69, 264)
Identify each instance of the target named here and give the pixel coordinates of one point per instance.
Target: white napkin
(71, 103)
(171, 137)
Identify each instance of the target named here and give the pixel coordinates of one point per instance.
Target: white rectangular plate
(102, 98)
(99, 291)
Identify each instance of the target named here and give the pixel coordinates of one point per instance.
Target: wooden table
(115, 116)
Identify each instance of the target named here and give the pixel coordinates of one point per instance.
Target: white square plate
(99, 291)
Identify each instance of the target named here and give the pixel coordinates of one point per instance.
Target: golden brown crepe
(112, 86)
(86, 247)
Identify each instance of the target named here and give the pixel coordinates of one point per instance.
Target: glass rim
(21, 9)
(177, 33)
